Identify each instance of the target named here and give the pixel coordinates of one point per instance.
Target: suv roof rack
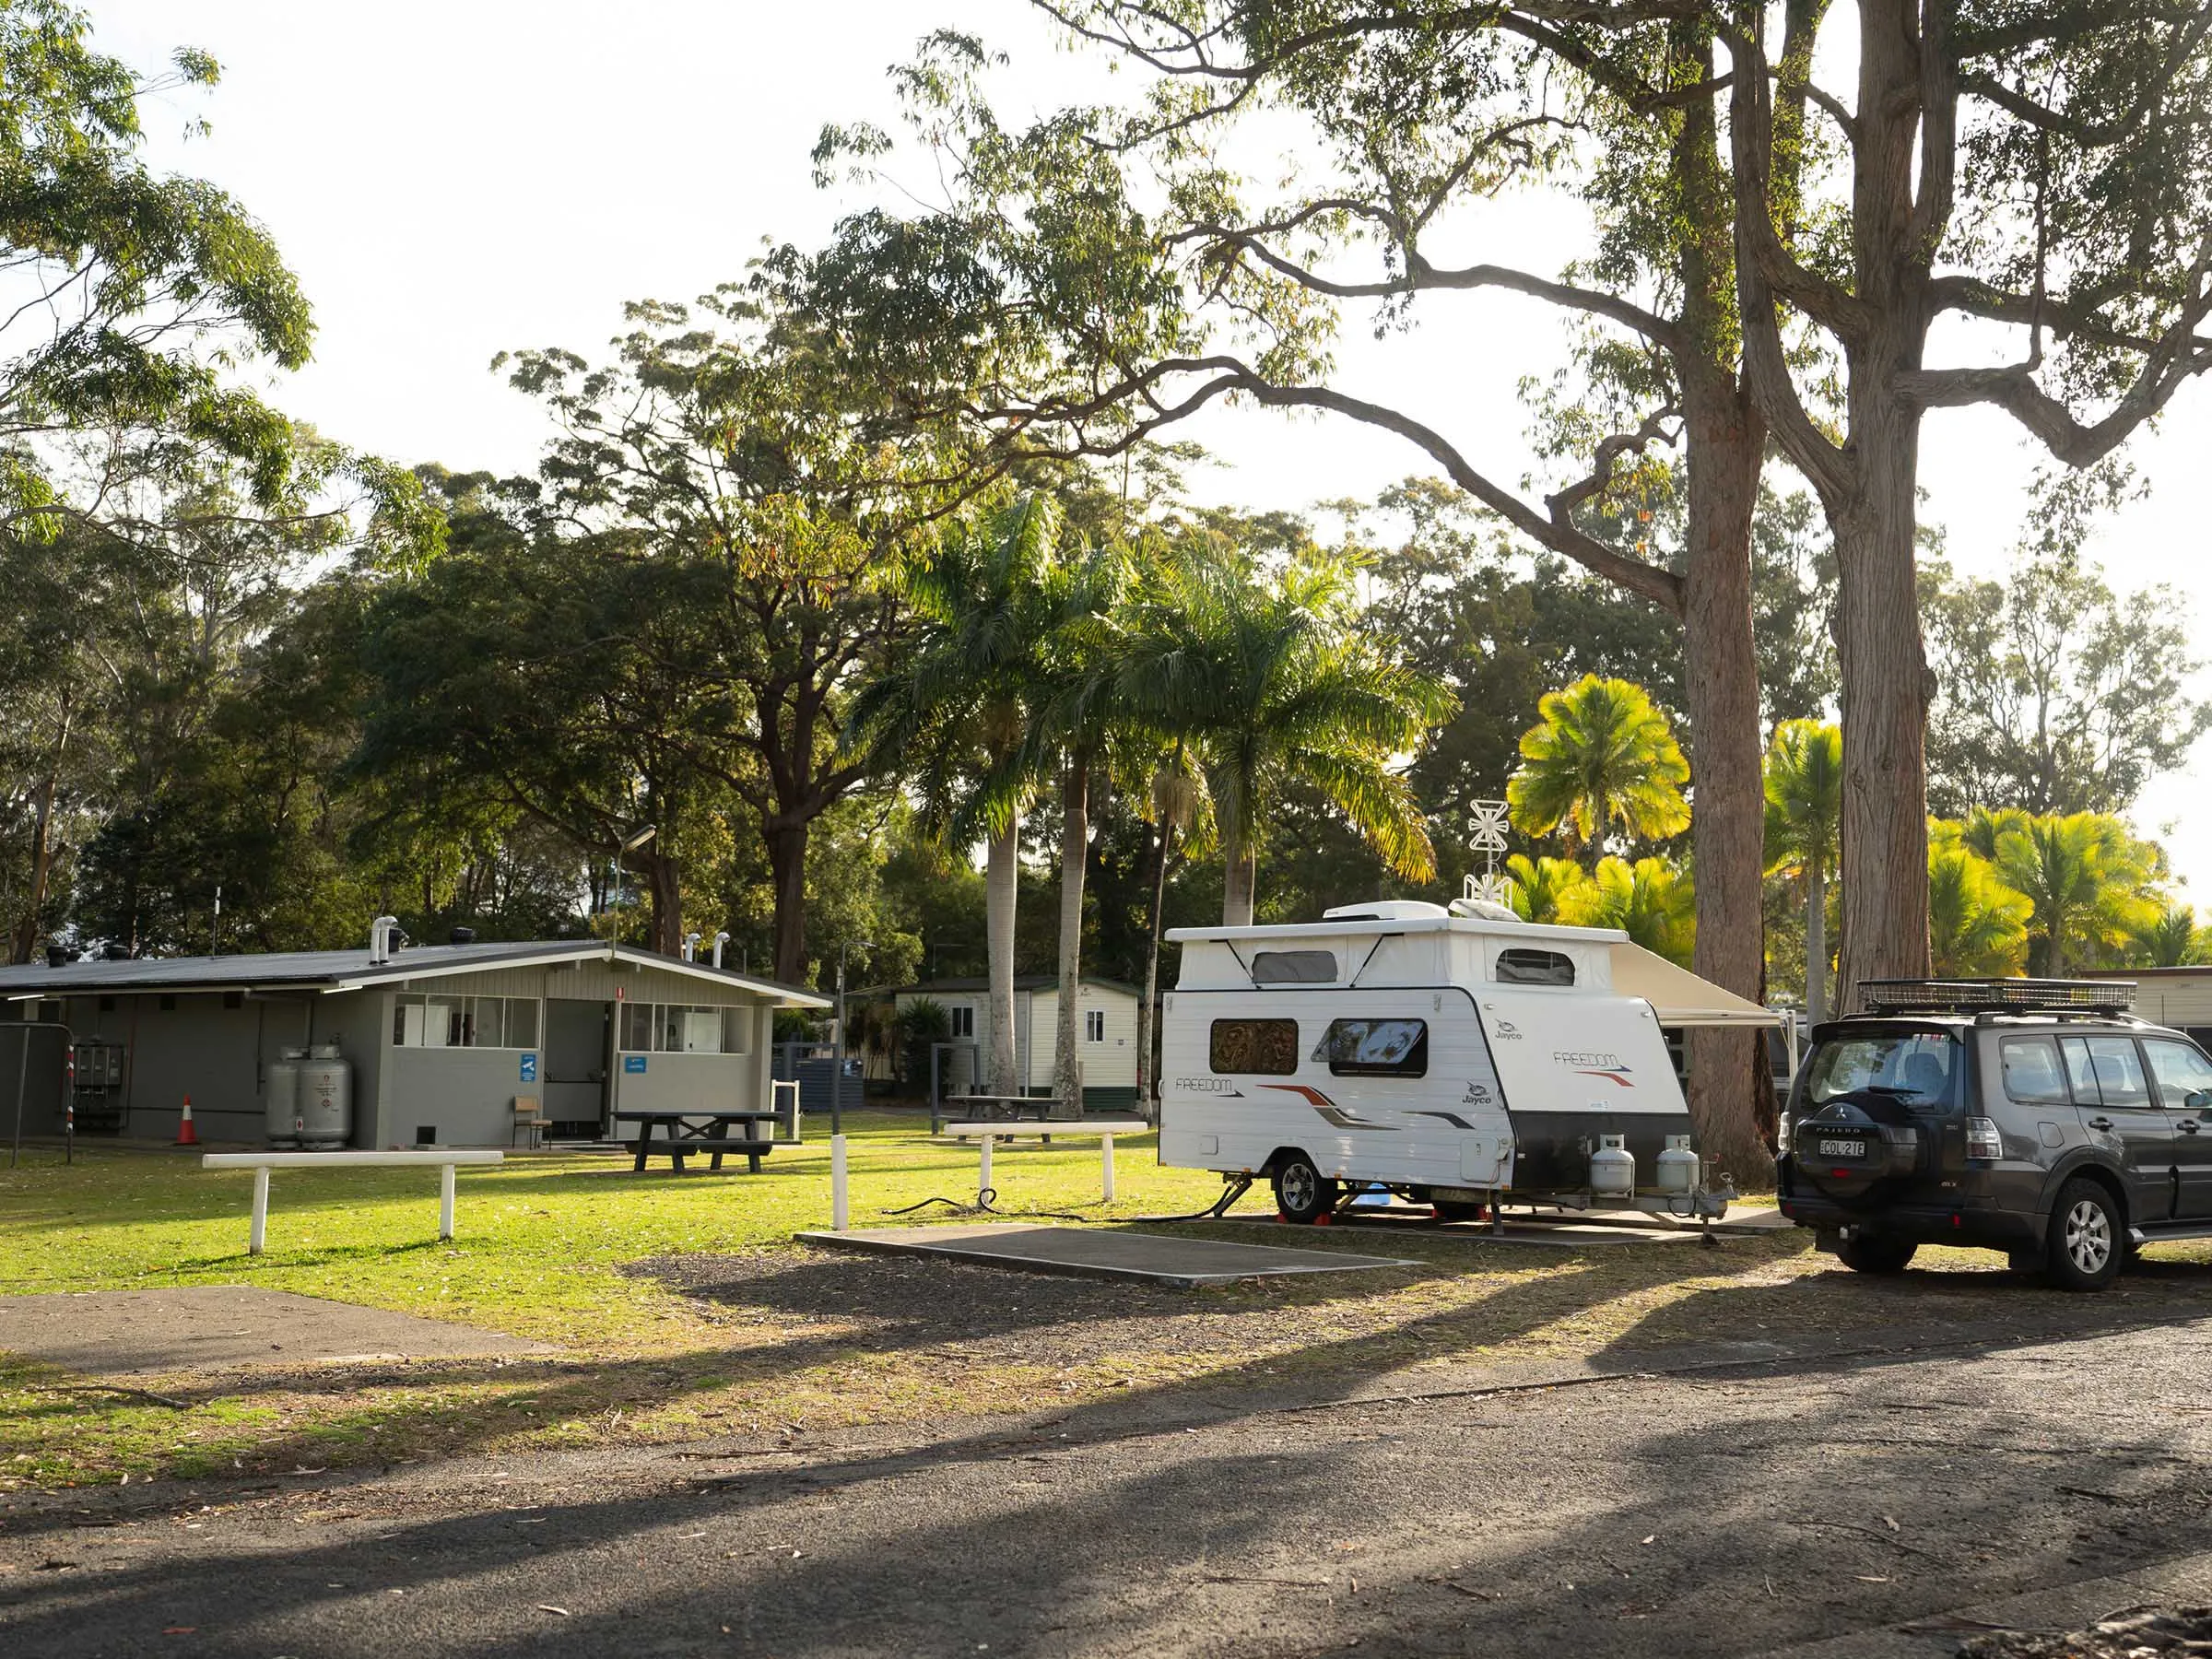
(1998, 995)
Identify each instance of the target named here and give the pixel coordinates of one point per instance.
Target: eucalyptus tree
(727, 444)
(1805, 811)
(1134, 303)
(2043, 174)
(130, 291)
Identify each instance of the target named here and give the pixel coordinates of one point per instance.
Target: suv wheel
(1862, 1255)
(1301, 1192)
(2088, 1237)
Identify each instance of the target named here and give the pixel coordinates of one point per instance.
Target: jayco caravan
(1458, 1058)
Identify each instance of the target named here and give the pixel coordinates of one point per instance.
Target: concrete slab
(1557, 1235)
(200, 1327)
(1153, 1258)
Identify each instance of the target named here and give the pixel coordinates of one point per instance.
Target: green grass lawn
(547, 1247)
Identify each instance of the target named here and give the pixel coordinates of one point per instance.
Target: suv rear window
(1918, 1067)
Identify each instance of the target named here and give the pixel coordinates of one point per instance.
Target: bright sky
(450, 179)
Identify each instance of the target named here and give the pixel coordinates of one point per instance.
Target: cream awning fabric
(1679, 996)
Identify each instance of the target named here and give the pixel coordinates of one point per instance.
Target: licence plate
(1842, 1148)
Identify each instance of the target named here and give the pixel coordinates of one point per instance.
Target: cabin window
(1522, 966)
(1376, 1048)
(962, 1016)
(676, 1029)
(1263, 1047)
(1294, 967)
(425, 1022)
(1094, 1024)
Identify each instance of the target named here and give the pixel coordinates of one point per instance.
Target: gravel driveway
(1871, 1498)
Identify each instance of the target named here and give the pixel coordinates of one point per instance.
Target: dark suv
(2033, 1116)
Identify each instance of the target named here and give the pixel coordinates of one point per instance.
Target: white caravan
(1459, 1058)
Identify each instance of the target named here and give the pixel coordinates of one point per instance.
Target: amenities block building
(441, 1040)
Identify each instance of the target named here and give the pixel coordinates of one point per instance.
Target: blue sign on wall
(633, 1063)
(529, 1068)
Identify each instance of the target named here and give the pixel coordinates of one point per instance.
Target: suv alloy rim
(1298, 1187)
(2089, 1236)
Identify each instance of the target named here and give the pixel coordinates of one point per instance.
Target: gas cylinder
(1613, 1166)
(281, 1113)
(325, 1098)
(1677, 1166)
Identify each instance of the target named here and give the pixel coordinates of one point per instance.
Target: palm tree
(1600, 754)
(1805, 818)
(2169, 940)
(1976, 924)
(1270, 681)
(951, 713)
(1652, 901)
(2085, 879)
(1543, 889)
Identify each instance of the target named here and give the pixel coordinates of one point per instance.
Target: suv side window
(2179, 1070)
(2105, 1071)
(2031, 1072)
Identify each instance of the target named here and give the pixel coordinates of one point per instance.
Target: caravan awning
(1679, 996)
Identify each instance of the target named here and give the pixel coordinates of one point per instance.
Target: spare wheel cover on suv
(1855, 1147)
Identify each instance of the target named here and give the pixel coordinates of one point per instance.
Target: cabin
(438, 1042)
(1106, 1034)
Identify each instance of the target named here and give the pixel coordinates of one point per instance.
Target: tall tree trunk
(1816, 942)
(1240, 876)
(1727, 1075)
(1075, 848)
(41, 844)
(788, 876)
(1885, 690)
(1002, 884)
(1147, 1084)
(663, 877)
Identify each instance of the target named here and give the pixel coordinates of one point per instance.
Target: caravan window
(1521, 966)
(1266, 1047)
(1376, 1048)
(1294, 967)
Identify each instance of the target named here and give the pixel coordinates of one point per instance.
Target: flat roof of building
(329, 971)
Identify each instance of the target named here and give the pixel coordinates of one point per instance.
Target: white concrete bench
(261, 1163)
(1069, 1128)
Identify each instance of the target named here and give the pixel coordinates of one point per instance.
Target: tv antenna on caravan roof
(1486, 835)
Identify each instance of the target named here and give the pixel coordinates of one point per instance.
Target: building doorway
(577, 1037)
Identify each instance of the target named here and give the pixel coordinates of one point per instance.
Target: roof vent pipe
(720, 940)
(463, 935)
(380, 940)
(57, 956)
(692, 947)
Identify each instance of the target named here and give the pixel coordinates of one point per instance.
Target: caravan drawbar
(1459, 1058)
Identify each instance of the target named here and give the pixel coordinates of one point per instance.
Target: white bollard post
(983, 1178)
(1106, 1163)
(841, 1209)
(445, 1202)
(260, 1234)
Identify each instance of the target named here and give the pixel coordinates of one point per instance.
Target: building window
(683, 1029)
(1376, 1048)
(963, 1019)
(422, 1021)
(234, 999)
(168, 1004)
(51, 1012)
(107, 1005)
(1094, 1024)
(1263, 1047)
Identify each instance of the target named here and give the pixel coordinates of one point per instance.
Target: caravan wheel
(1301, 1191)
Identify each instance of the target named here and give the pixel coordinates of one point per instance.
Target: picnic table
(706, 1134)
(1004, 1108)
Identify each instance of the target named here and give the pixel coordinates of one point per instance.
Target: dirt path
(1825, 1501)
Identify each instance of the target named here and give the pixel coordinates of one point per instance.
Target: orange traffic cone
(187, 1135)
